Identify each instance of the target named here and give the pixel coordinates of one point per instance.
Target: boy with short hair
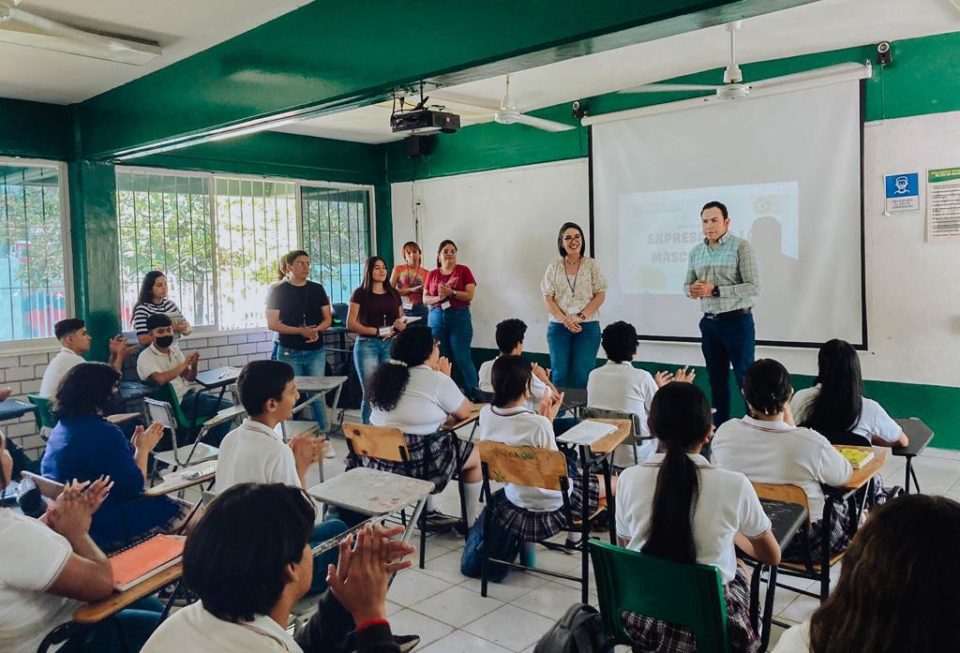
(74, 342)
(509, 336)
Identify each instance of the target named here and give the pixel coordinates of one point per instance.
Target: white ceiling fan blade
(24, 28)
(541, 123)
(810, 75)
(669, 88)
(477, 118)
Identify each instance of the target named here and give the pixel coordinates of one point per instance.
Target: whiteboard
(505, 224)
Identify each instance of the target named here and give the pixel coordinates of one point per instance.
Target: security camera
(884, 53)
(579, 110)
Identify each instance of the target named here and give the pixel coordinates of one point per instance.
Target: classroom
(469, 303)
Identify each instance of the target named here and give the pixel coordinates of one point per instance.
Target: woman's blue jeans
(308, 362)
(572, 355)
(417, 310)
(454, 329)
(368, 353)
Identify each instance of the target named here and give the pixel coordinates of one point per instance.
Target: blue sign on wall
(902, 192)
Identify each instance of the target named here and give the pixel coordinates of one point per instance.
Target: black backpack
(579, 630)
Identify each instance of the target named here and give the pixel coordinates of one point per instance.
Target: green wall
(35, 130)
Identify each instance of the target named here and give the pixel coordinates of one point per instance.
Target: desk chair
(45, 417)
(532, 467)
(49, 488)
(181, 456)
(688, 595)
(590, 412)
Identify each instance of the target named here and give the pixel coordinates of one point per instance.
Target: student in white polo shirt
(509, 336)
(836, 402)
(74, 342)
(676, 506)
(619, 385)
(255, 453)
(163, 362)
(767, 448)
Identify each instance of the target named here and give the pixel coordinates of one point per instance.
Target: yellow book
(858, 456)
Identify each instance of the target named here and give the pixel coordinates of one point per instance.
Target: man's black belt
(728, 315)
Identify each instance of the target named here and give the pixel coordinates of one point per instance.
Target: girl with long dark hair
(375, 315)
(152, 300)
(697, 514)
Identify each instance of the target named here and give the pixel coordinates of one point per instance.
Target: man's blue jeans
(726, 342)
(368, 354)
(572, 355)
(308, 362)
(454, 329)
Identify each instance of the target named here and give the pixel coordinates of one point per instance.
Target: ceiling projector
(424, 121)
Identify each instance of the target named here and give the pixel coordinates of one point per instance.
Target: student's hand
(119, 346)
(310, 333)
(71, 513)
(144, 440)
(662, 378)
(180, 325)
(685, 375)
(550, 405)
(444, 366)
(5, 393)
(306, 450)
(193, 358)
(540, 373)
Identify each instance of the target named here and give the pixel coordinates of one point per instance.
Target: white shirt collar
(69, 352)
(779, 425)
(657, 458)
(254, 425)
(621, 364)
(267, 627)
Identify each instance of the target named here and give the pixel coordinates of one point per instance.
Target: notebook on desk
(587, 432)
(858, 456)
(146, 559)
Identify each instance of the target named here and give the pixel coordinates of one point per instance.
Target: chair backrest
(44, 415)
(847, 438)
(168, 395)
(340, 314)
(783, 493)
(687, 595)
(376, 442)
(592, 412)
(160, 411)
(48, 487)
(530, 466)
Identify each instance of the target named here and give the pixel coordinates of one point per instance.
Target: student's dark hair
(619, 341)
(583, 239)
(366, 286)
(85, 390)
(158, 320)
(839, 403)
(293, 255)
(235, 558)
(410, 348)
(716, 205)
(510, 377)
(509, 334)
(411, 245)
(146, 287)
(444, 243)
(679, 418)
(64, 328)
(282, 268)
(260, 381)
(766, 386)
(898, 584)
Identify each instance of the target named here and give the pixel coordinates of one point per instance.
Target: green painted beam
(336, 54)
(35, 130)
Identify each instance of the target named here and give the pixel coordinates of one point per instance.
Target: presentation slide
(786, 166)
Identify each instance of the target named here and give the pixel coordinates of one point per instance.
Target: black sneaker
(437, 522)
(406, 642)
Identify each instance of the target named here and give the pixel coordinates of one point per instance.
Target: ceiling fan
(21, 27)
(506, 113)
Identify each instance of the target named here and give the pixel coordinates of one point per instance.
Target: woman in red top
(448, 292)
(409, 278)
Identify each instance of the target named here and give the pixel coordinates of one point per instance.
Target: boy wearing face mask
(163, 362)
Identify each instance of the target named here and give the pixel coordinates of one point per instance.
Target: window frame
(38, 345)
(211, 330)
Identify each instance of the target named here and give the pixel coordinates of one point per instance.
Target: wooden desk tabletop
(868, 471)
(451, 425)
(218, 377)
(92, 613)
(608, 443)
(370, 491)
(175, 481)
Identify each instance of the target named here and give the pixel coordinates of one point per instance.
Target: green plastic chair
(687, 595)
(44, 415)
(186, 422)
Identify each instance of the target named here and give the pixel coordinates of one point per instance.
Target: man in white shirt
(619, 385)
(74, 342)
(509, 336)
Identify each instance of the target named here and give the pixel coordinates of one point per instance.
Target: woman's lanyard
(572, 286)
(304, 302)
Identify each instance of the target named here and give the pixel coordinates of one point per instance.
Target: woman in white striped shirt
(153, 300)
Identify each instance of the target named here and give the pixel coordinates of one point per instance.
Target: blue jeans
(572, 355)
(207, 404)
(454, 329)
(127, 630)
(726, 342)
(308, 362)
(325, 530)
(418, 310)
(368, 353)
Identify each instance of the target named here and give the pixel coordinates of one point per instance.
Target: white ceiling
(817, 27)
(181, 27)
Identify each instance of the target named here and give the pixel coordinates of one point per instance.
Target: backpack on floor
(579, 630)
(503, 546)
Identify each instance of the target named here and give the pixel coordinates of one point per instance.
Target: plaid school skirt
(655, 636)
(432, 458)
(536, 526)
(837, 539)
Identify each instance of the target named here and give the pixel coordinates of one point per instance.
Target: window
(219, 240)
(34, 272)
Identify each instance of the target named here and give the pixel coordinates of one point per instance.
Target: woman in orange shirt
(408, 279)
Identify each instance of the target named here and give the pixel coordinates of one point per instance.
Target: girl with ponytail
(678, 507)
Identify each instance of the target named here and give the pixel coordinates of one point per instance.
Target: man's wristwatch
(716, 291)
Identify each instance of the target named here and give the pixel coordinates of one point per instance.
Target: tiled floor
(447, 611)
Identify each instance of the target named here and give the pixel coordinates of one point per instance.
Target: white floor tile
(550, 600)
(410, 622)
(412, 586)
(457, 606)
(799, 609)
(511, 627)
(445, 566)
(460, 641)
(515, 585)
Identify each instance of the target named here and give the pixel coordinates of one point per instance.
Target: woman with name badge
(448, 292)
(573, 290)
(409, 278)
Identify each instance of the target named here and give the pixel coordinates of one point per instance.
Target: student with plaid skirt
(532, 514)
(676, 506)
(413, 392)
